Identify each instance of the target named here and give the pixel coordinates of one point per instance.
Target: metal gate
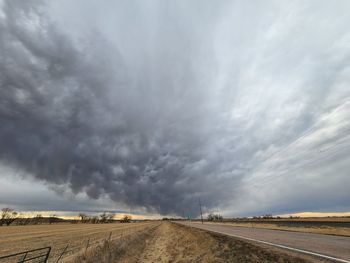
(39, 255)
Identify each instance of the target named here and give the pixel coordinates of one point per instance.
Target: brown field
(20, 238)
(305, 219)
(170, 242)
(139, 242)
(334, 226)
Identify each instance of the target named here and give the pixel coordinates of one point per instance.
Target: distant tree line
(267, 216)
(11, 217)
(270, 216)
(8, 216)
(214, 217)
(102, 218)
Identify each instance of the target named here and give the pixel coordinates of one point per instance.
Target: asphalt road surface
(335, 247)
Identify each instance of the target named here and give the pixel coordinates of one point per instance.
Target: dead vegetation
(139, 242)
(16, 239)
(8, 216)
(341, 229)
(123, 249)
(171, 242)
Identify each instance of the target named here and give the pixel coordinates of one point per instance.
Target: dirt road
(334, 246)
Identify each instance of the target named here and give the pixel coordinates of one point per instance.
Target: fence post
(47, 255)
(25, 255)
(110, 235)
(87, 244)
(64, 250)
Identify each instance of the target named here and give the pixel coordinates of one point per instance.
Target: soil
(15, 239)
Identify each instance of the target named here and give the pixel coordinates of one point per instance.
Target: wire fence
(69, 251)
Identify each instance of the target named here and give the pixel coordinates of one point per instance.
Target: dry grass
(315, 219)
(140, 242)
(176, 243)
(123, 249)
(326, 230)
(20, 238)
(185, 244)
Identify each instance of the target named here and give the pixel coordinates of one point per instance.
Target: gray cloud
(155, 105)
(75, 114)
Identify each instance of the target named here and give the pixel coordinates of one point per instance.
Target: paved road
(333, 246)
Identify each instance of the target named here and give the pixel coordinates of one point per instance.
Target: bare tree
(52, 219)
(38, 219)
(24, 221)
(84, 218)
(94, 219)
(8, 216)
(214, 217)
(103, 217)
(126, 219)
(110, 217)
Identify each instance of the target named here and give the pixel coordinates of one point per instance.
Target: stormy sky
(153, 105)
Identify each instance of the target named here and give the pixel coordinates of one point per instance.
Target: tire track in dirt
(156, 249)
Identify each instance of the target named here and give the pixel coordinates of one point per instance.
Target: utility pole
(200, 208)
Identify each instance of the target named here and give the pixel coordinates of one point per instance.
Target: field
(20, 238)
(328, 226)
(138, 242)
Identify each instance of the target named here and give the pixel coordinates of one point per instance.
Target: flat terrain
(174, 243)
(20, 238)
(170, 242)
(335, 246)
(153, 242)
(328, 226)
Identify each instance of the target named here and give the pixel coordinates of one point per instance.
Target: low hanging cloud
(74, 114)
(157, 106)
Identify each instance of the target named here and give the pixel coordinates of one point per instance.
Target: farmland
(152, 241)
(58, 236)
(328, 226)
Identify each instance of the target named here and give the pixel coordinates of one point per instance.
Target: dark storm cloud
(73, 113)
(157, 104)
